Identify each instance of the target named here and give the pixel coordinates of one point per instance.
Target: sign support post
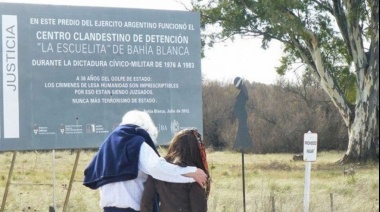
(306, 198)
(309, 155)
(8, 182)
(65, 204)
(54, 181)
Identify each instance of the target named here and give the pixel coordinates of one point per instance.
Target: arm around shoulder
(151, 164)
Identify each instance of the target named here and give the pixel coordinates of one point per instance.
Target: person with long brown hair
(185, 149)
(125, 160)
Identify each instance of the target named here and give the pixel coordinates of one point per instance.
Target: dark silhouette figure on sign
(243, 139)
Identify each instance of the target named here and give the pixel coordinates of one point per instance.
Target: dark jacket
(118, 156)
(174, 197)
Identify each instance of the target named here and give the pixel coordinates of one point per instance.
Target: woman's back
(185, 149)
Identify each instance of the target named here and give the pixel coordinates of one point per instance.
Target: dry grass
(266, 176)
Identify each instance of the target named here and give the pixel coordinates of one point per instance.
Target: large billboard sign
(69, 73)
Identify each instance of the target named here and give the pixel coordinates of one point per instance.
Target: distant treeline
(278, 117)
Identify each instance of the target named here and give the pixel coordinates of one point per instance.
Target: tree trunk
(363, 121)
(363, 129)
(363, 142)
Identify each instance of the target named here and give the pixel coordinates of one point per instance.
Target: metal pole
(8, 182)
(242, 161)
(71, 182)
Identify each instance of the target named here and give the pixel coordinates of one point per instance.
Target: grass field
(273, 182)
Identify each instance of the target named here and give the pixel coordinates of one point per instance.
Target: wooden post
(331, 202)
(8, 182)
(272, 200)
(71, 182)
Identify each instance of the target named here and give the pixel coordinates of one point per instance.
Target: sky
(241, 58)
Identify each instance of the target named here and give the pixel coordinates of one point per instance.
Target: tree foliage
(337, 41)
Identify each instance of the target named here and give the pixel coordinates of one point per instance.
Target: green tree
(336, 40)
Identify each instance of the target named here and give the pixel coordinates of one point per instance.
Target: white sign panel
(310, 147)
(10, 76)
